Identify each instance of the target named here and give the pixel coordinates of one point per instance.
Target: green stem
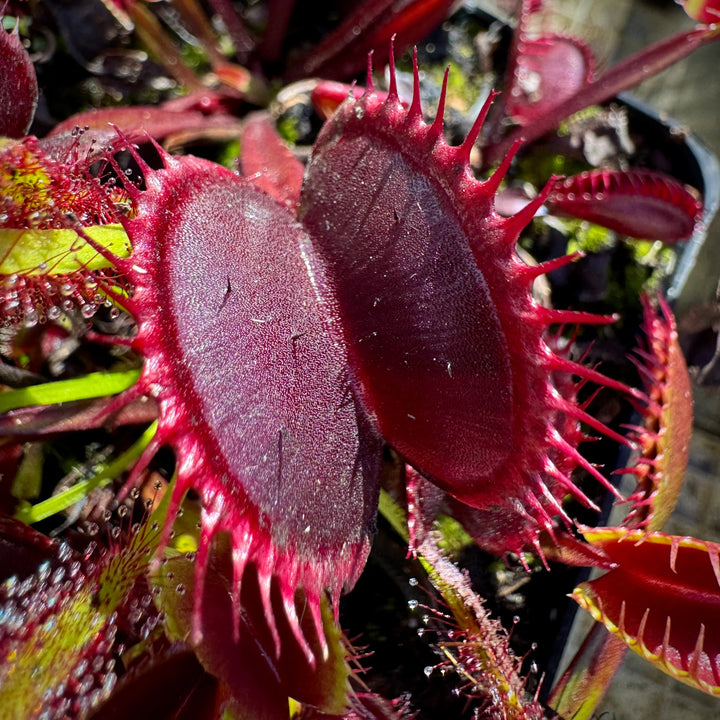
(67, 498)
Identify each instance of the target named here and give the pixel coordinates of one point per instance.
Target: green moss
(229, 154)
(288, 128)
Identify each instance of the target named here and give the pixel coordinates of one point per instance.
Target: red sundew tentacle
(139, 467)
(130, 188)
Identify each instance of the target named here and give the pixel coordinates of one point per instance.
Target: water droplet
(53, 312)
(428, 670)
(109, 681)
(64, 552)
(413, 582)
(114, 313)
(31, 318)
(43, 571)
(122, 511)
(420, 632)
(88, 310)
(412, 604)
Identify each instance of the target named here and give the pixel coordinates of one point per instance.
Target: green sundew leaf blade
(59, 251)
(89, 386)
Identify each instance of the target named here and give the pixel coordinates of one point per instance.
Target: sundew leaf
(480, 650)
(59, 251)
(55, 216)
(58, 645)
(92, 385)
(662, 599)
